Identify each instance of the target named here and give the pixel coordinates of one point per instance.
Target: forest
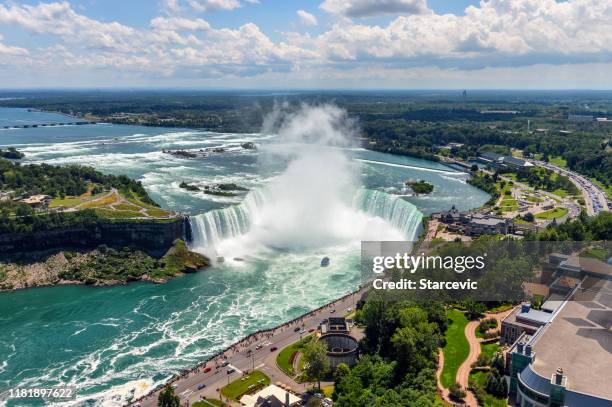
(413, 123)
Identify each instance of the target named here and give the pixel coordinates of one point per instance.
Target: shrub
(456, 392)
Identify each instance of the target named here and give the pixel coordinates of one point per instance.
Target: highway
(594, 197)
(245, 356)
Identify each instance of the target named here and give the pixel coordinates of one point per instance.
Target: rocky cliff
(152, 237)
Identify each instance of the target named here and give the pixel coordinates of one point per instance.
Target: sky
(306, 44)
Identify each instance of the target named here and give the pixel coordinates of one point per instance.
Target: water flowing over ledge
(210, 228)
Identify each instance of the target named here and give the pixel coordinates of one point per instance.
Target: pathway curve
(463, 374)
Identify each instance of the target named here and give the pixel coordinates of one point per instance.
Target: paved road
(263, 359)
(594, 197)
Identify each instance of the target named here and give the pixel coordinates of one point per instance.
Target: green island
(75, 225)
(420, 187)
(100, 266)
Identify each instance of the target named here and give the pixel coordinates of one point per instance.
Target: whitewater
(312, 193)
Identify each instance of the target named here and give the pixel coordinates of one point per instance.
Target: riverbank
(243, 354)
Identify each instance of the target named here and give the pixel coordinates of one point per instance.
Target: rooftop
(268, 393)
(579, 340)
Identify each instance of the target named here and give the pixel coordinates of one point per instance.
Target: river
(115, 342)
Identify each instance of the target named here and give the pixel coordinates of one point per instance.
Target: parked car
(311, 330)
(273, 348)
(258, 346)
(206, 370)
(201, 386)
(225, 363)
(296, 329)
(231, 370)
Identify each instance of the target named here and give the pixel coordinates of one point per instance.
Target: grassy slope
(551, 214)
(457, 347)
(284, 356)
(239, 387)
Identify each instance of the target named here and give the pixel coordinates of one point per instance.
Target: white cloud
(9, 51)
(369, 8)
(213, 5)
(497, 33)
(307, 19)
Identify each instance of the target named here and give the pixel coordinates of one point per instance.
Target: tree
(315, 361)
(474, 168)
(529, 217)
(167, 398)
(342, 370)
(473, 309)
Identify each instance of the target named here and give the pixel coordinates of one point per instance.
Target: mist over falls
(317, 201)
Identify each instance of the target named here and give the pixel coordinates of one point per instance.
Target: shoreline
(223, 355)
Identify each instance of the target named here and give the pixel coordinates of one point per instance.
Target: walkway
(463, 374)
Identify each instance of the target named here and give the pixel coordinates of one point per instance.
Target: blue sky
(522, 44)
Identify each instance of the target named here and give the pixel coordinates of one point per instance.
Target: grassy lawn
(479, 378)
(501, 308)
(489, 349)
(284, 361)
(560, 192)
(596, 253)
(328, 390)
(558, 161)
(552, 214)
(111, 214)
(520, 221)
(457, 347)
(126, 207)
(158, 213)
(509, 204)
(104, 201)
(492, 401)
(247, 384)
(209, 403)
(72, 201)
(534, 199)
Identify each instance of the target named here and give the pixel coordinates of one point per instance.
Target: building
(335, 324)
(562, 354)
(495, 160)
(523, 320)
(341, 348)
(474, 224)
(37, 201)
(516, 162)
(580, 117)
(567, 361)
(270, 396)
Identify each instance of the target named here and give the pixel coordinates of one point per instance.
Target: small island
(11, 153)
(420, 187)
(188, 187)
(222, 189)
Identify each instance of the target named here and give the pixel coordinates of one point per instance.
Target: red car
(273, 348)
(208, 369)
(311, 330)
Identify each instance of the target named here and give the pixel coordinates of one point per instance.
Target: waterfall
(401, 214)
(212, 227)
